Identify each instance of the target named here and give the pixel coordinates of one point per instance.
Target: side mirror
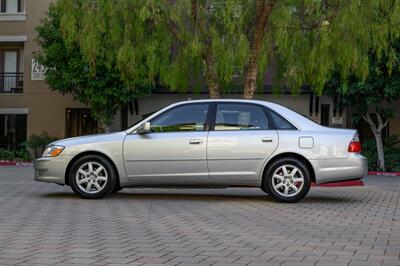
(144, 128)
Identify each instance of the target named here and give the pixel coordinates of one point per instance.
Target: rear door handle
(195, 141)
(267, 139)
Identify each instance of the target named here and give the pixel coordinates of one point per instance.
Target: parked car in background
(208, 143)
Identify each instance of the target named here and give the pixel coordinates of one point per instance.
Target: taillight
(355, 144)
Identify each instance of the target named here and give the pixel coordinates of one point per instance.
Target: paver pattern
(45, 224)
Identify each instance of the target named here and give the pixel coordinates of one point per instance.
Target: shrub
(11, 155)
(6, 155)
(39, 142)
(22, 155)
(391, 150)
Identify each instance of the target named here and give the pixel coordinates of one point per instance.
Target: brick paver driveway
(45, 224)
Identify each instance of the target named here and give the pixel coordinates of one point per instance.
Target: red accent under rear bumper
(348, 183)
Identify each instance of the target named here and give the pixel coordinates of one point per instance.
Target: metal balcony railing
(11, 82)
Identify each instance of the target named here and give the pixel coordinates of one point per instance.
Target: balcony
(11, 83)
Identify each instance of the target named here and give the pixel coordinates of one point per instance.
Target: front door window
(191, 117)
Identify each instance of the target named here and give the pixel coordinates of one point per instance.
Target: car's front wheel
(92, 177)
(287, 180)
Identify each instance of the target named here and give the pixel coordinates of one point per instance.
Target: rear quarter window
(280, 122)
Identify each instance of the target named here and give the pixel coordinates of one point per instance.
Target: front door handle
(195, 141)
(267, 139)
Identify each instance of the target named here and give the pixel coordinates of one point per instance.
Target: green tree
(184, 43)
(67, 71)
(372, 95)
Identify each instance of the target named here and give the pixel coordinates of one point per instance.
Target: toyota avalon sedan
(208, 143)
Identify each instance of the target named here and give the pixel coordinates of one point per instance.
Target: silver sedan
(208, 143)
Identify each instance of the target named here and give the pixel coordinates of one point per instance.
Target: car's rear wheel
(92, 177)
(287, 180)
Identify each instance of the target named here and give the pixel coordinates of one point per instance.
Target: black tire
(276, 194)
(106, 186)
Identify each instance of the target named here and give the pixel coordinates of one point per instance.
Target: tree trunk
(379, 149)
(106, 127)
(264, 9)
(202, 24)
(211, 74)
(377, 131)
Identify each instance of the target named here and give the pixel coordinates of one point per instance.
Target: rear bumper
(51, 170)
(334, 170)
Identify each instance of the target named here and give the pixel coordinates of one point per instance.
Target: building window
(11, 77)
(12, 6)
(79, 122)
(12, 130)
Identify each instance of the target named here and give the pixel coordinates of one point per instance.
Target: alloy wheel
(287, 180)
(91, 177)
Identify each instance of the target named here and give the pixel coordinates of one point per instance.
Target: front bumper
(51, 169)
(334, 170)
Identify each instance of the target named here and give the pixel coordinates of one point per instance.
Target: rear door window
(238, 116)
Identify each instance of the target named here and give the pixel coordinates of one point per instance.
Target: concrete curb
(15, 163)
(384, 173)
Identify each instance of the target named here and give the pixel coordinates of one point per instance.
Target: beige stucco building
(27, 106)
(22, 98)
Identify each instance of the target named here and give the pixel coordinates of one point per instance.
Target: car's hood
(89, 139)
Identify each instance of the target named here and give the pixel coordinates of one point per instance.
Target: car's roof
(265, 103)
(224, 100)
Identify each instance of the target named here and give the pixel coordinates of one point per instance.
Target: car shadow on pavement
(169, 196)
(164, 196)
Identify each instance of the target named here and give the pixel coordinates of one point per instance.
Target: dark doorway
(79, 122)
(325, 114)
(124, 117)
(12, 130)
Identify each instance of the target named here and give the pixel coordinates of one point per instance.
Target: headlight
(52, 151)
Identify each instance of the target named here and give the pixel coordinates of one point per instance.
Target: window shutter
(3, 6)
(1, 60)
(20, 6)
(1, 70)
